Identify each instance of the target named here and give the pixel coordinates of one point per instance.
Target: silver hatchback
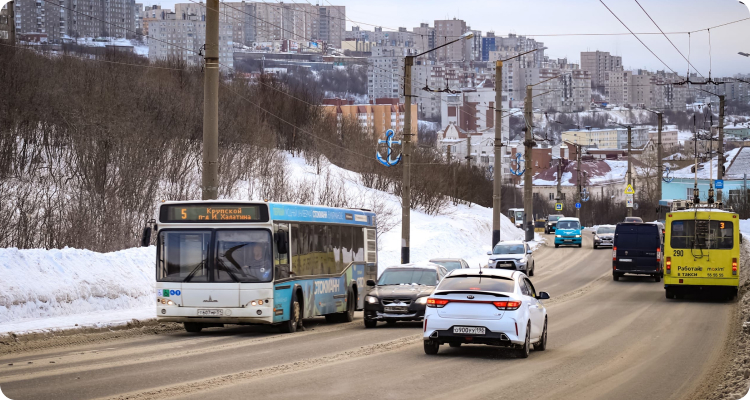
(604, 236)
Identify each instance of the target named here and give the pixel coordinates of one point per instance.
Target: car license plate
(211, 313)
(469, 330)
(568, 240)
(396, 309)
(625, 260)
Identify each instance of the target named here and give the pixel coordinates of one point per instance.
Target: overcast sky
(538, 17)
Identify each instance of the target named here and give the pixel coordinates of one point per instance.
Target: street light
(406, 151)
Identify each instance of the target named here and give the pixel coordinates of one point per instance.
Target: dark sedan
(401, 293)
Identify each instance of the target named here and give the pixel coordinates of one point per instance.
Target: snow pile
(745, 227)
(40, 284)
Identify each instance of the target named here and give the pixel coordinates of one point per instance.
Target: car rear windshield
(605, 229)
(449, 265)
(508, 249)
(400, 276)
(633, 219)
(554, 217)
(476, 282)
(568, 225)
(637, 237)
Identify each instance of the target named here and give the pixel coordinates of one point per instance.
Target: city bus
(238, 262)
(702, 251)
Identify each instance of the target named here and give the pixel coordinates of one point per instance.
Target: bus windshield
(702, 234)
(239, 256)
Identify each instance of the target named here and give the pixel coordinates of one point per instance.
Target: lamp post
(406, 150)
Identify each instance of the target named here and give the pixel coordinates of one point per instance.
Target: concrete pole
(559, 181)
(12, 23)
(468, 149)
(528, 192)
(497, 180)
(630, 167)
(210, 174)
(406, 151)
(578, 179)
(720, 173)
(659, 162)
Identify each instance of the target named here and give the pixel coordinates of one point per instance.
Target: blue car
(568, 232)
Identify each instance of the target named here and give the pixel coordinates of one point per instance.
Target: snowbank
(40, 284)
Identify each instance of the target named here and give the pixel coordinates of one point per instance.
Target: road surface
(607, 340)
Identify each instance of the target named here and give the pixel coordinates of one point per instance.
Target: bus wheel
(348, 316)
(193, 327)
(669, 293)
(290, 326)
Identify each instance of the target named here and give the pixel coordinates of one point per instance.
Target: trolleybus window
(183, 254)
(243, 256)
(703, 234)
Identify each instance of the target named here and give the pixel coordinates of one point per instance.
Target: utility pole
(497, 181)
(660, 168)
(720, 167)
(630, 166)
(528, 203)
(11, 23)
(559, 180)
(578, 179)
(406, 151)
(468, 149)
(210, 173)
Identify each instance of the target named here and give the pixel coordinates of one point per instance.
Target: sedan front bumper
(377, 312)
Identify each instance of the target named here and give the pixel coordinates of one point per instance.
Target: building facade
(597, 63)
(182, 39)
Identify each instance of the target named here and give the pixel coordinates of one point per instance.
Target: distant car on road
(451, 263)
(400, 294)
(486, 306)
(637, 250)
(604, 235)
(550, 223)
(568, 232)
(515, 255)
(516, 216)
(633, 219)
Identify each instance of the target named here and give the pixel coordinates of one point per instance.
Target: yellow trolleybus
(702, 251)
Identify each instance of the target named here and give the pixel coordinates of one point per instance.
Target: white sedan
(486, 306)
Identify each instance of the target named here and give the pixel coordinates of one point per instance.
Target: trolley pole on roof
(210, 173)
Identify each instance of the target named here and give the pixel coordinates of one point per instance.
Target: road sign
(578, 205)
(629, 190)
(629, 200)
(719, 183)
(558, 206)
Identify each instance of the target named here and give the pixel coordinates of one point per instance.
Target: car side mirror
(542, 296)
(370, 282)
(489, 253)
(146, 237)
(593, 233)
(282, 243)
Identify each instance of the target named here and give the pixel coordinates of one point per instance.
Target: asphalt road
(607, 340)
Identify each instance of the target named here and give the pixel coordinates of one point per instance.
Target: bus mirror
(146, 237)
(282, 244)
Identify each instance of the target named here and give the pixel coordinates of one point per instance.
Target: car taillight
(614, 253)
(507, 305)
(669, 265)
(658, 254)
(437, 303)
(734, 266)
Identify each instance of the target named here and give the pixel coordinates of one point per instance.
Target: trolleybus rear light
(734, 266)
(669, 265)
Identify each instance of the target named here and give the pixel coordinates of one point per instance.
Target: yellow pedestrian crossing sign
(629, 190)
(558, 206)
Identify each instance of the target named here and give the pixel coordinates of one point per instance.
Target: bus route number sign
(208, 213)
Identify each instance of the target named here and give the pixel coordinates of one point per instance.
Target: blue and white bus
(237, 262)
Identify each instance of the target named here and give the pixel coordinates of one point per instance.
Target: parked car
(637, 250)
(604, 235)
(451, 263)
(633, 219)
(400, 294)
(568, 232)
(550, 223)
(515, 255)
(486, 306)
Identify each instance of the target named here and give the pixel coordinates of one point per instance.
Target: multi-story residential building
(235, 14)
(183, 38)
(473, 109)
(385, 72)
(669, 138)
(598, 63)
(616, 87)
(299, 22)
(64, 19)
(5, 23)
(151, 14)
(449, 30)
(377, 118)
(607, 138)
(138, 15)
(488, 45)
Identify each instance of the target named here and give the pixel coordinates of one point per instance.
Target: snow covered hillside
(68, 288)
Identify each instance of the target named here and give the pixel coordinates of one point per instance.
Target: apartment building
(597, 63)
(5, 23)
(448, 30)
(376, 118)
(473, 109)
(607, 138)
(238, 15)
(299, 22)
(385, 71)
(94, 18)
(178, 38)
(151, 14)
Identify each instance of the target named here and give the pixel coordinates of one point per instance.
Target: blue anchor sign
(585, 195)
(389, 142)
(519, 161)
(666, 178)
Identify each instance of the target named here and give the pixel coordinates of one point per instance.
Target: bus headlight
(373, 300)
(170, 302)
